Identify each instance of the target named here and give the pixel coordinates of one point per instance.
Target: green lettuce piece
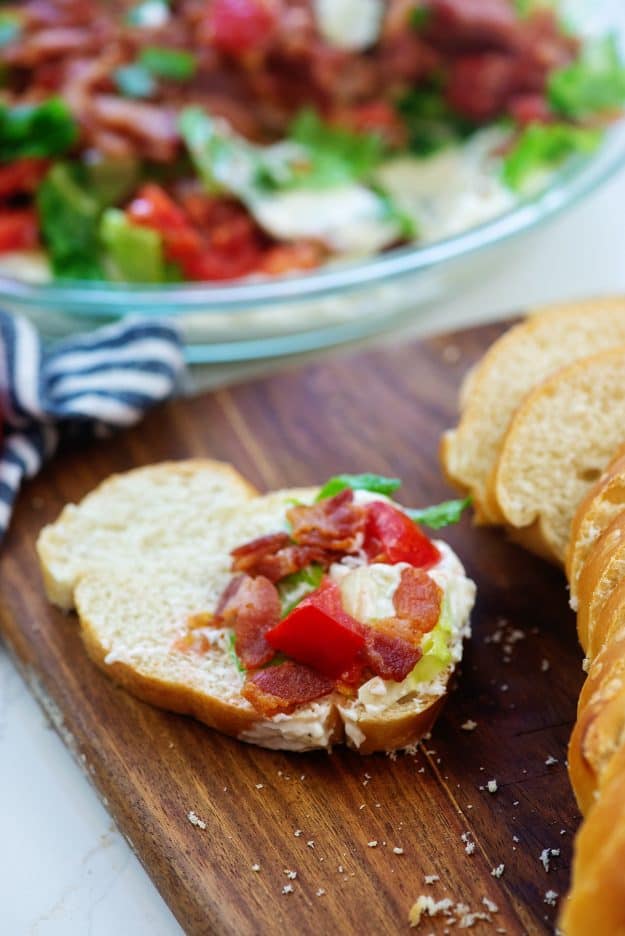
(593, 83)
(38, 130)
(543, 147)
(233, 653)
(436, 649)
(430, 122)
(440, 515)
(164, 62)
(296, 586)
(136, 252)
(361, 482)
(70, 219)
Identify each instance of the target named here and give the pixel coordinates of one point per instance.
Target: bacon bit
(389, 656)
(194, 641)
(203, 619)
(282, 688)
(273, 557)
(418, 599)
(251, 609)
(336, 523)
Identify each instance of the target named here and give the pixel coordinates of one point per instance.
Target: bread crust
(604, 501)
(541, 328)
(599, 576)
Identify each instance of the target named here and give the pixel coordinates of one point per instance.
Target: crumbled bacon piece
(282, 688)
(251, 607)
(462, 24)
(390, 656)
(249, 554)
(336, 523)
(275, 557)
(418, 599)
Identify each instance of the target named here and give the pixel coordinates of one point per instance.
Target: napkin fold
(79, 388)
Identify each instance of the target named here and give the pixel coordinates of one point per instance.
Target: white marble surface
(64, 869)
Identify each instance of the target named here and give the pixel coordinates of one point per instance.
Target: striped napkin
(80, 388)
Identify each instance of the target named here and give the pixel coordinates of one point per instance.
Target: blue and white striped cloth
(79, 388)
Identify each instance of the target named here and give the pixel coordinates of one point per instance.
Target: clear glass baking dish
(338, 302)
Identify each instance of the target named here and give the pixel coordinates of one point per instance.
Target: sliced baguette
(599, 731)
(549, 339)
(132, 613)
(604, 501)
(602, 571)
(558, 443)
(131, 517)
(596, 902)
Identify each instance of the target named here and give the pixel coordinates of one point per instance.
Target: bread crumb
(469, 848)
(546, 855)
(288, 889)
(469, 725)
(467, 920)
(297, 833)
(551, 760)
(551, 897)
(431, 878)
(259, 786)
(341, 869)
(491, 786)
(515, 838)
(498, 871)
(544, 665)
(372, 844)
(490, 905)
(255, 867)
(427, 905)
(398, 851)
(195, 820)
(311, 843)
(320, 892)
(290, 874)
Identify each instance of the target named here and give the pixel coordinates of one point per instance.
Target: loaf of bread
(145, 559)
(515, 364)
(557, 445)
(602, 504)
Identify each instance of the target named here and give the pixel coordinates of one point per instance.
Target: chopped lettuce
(164, 62)
(593, 83)
(69, 218)
(233, 653)
(430, 122)
(542, 147)
(440, 515)
(436, 647)
(136, 253)
(39, 130)
(296, 586)
(361, 482)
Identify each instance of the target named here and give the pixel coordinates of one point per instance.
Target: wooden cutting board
(335, 820)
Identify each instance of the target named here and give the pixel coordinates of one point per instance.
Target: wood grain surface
(319, 814)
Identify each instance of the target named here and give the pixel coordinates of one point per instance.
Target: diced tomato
(19, 230)
(319, 633)
(239, 26)
(21, 176)
(391, 536)
(376, 117)
(224, 251)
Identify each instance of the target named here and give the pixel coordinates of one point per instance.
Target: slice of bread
(548, 340)
(558, 443)
(133, 612)
(604, 501)
(132, 516)
(602, 571)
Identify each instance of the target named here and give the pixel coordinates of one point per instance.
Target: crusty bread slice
(602, 571)
(599, 732)
(132, 614)
(132, 516)
(604, 501)
(549, 339)
(558, 443)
